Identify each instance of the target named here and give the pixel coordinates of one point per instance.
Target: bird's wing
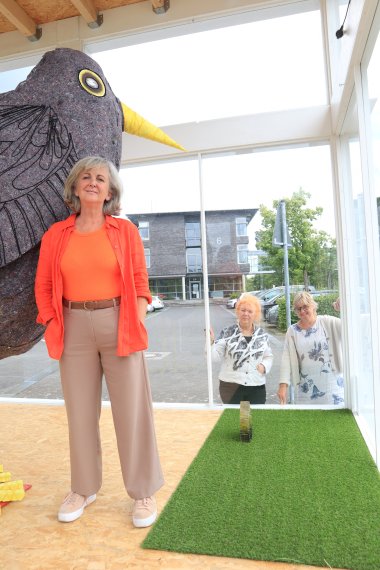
(36, 155)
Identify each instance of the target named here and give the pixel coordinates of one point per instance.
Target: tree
(312, 255)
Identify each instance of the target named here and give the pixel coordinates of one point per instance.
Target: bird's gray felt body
(64, 110)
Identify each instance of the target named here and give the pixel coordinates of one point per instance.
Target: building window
(241, 226)
(242, 253)
(167, 288)
(147, 256)
(194, 260)
(144, 230)
(193, 234)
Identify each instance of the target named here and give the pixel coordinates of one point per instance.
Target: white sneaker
(73, 506)
(144, 512)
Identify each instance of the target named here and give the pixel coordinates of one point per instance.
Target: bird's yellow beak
(135, 124)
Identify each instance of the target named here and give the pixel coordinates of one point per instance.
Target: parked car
(157, 303)
(272, 315)
(269, 300)
(231, 303)
(272, 312)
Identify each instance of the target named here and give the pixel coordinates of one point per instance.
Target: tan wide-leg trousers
(89, 352)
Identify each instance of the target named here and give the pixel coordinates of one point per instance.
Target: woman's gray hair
(305, 298)
(110, 207)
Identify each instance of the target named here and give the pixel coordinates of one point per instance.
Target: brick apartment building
(173, 252)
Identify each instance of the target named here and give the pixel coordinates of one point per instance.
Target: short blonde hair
(305, 298)
(253, 302)
(112, 206)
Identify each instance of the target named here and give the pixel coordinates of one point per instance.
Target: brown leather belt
(92, 305)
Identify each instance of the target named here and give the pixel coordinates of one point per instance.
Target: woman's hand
(260, 368)
(212, 336)
(141, 308)
(282, 393)
(336, 305)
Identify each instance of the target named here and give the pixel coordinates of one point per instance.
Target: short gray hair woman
(312, 356)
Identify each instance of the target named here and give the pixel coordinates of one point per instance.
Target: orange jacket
(129, 251)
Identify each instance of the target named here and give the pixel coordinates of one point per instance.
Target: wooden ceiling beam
(20, 19)
(87, 10)
(160, 6)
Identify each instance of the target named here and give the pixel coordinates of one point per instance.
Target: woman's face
(306, 313)
(246, 315)
(93, 186)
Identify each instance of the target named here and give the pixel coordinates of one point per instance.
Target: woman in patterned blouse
(312, 357)
(245, 355)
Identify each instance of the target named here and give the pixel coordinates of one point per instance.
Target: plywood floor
(33, 447)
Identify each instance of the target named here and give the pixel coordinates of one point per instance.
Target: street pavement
(176, 359)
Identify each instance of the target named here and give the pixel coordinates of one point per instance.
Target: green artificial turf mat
(304, 490)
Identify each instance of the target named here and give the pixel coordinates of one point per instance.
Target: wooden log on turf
(245, 421)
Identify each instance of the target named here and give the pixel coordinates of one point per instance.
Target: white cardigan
(290, 371)
(240, 358)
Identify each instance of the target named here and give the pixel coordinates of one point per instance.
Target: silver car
(231, 303)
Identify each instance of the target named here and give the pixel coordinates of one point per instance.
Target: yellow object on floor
(5, 476)
(12, 491)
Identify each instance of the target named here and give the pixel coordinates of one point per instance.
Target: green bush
(324, 308)
(234, 295)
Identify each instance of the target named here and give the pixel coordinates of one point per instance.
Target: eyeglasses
(303, 308)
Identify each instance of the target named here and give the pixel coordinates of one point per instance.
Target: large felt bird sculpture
(63, 111)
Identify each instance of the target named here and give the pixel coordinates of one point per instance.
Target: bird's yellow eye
(92, 83)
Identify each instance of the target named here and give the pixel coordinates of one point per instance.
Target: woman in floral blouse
(312, 357)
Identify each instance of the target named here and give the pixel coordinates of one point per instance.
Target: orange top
(89, 267)
(129, 251)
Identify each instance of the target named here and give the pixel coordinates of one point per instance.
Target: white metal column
(205, 285)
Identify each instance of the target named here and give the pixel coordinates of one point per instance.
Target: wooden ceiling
(27, 15)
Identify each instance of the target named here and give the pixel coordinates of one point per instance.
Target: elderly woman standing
(312, 357)
(92, 292)
(245, 355)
